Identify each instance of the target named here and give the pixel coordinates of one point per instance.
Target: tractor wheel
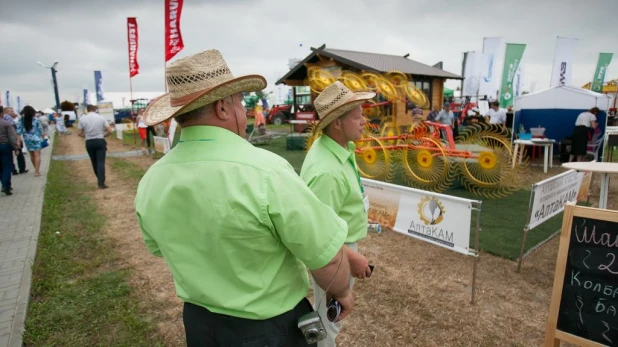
(278, 119)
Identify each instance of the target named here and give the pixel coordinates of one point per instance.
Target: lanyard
(196, 140)
(360, 184)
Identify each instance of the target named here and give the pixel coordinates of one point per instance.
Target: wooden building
(429, 79)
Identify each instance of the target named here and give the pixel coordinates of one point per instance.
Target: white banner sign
(439, 219)
(172, 131)
(489, 78)
(563, 60)
(161, 144)
(473, 71)
(552, 194)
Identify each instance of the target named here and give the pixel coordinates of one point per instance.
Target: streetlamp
(55, 82)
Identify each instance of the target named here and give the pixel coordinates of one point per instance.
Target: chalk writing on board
(589, 300)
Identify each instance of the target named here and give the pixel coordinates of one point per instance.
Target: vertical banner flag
(132, 38)
(173, 37)
(98, 84)
(472, 72)
(599, 72)
(18, 105)
(518, 83)
(489, 80)
(8, 99)
(561, 72)
(86, 97)
(512, 57)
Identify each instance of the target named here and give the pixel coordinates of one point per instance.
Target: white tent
(563, 97)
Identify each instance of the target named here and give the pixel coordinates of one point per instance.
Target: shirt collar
(341, 153)
(209, 133)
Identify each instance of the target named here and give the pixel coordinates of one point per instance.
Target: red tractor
(279, 114)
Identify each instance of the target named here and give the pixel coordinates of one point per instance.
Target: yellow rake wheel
(426, 165)
(371, 80)
(312, 136)
(319, 79)
(387, 89)
(489, 172)
(398, 79)
(416, 95)
(353, 81)
(389, 129)
(372, 159)
(371, 112)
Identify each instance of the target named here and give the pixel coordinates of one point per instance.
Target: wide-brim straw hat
(337, 100)
(196, 81)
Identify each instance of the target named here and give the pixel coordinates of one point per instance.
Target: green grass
(79, 297)
(126, 168)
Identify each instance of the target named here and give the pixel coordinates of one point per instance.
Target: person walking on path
(330, 172)
(94, 129)
(31, 130)
(11, 117)
(142, 128)
(8, 144)
(236, 240)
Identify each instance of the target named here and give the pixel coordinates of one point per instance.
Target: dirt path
(419, 295)
(151, 278)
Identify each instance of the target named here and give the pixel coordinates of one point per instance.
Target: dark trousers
(6, 164)
(21, 162)
(206, 329)
(96, 151)
(150, 130)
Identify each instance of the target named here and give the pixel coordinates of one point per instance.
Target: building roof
(370, 62)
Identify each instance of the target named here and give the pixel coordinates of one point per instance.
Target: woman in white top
(586, 122)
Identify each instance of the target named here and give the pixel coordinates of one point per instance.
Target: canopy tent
(556, 110)
(448, 92)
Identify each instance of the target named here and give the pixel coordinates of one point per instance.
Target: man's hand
(17, 151)
(347, 304)
(359, 267)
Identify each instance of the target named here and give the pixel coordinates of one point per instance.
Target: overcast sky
(260, 36)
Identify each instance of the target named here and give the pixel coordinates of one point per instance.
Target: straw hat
(337, 100)
(196, 81)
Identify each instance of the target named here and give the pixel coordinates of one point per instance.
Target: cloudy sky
(259, 36)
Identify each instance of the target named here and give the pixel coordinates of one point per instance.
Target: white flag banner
(472, 72)
(489, 78)
(563, 61)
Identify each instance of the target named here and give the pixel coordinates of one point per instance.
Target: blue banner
(18, 106)
(98, 83)
(8, 99)
(86, 98)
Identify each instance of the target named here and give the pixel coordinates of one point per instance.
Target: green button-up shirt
(330, 172)
(235, 224)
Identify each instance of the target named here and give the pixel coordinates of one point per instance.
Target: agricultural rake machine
(426, 153)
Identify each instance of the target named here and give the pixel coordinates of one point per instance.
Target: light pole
(55, 82)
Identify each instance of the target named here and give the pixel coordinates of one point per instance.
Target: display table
(548, 144)
(603, 168)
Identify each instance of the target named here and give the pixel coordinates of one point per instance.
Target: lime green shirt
(235, 224)
(330, 172)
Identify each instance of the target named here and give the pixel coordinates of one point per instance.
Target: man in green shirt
(330, 172)
(235, 224)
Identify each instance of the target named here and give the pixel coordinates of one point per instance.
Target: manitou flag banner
(173, 37)
(489, 77)
(8, 99)
(563, 59)
(86, 97)
(599, 73)
(512, 57)
(132, 38)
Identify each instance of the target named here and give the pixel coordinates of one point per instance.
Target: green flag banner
(599, 73)
(512, 57)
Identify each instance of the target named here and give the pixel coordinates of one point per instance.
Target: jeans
(21, 161)
(6, 164)
(207, 329)
(96, 149)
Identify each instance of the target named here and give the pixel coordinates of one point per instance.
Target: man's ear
(222, 109)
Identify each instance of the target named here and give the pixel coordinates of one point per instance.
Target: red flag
(173, 37)
(132, 39)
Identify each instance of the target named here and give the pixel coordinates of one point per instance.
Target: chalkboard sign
(584, 306)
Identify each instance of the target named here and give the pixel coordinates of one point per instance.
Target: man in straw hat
(235, 223)
(331, 173)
